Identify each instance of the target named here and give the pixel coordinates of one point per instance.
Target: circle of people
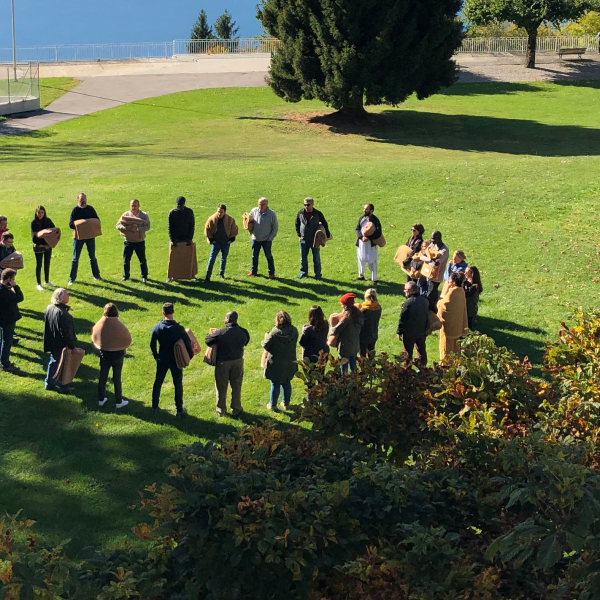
(353, 331)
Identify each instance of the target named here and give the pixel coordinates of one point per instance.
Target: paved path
(105, 85)
(99, 93)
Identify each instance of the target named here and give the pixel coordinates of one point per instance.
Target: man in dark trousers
(59, 333)
(230, 342)
(166, 334)
(367, 231)
(412, 326)
(181, 224)
(83, 211)
(10, 297)
(307, 223)
(135, 239)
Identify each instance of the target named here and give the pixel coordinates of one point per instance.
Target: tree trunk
(531, 48)
(354, 110)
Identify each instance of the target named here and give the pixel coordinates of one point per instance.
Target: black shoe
(360, 278)
(207, 280)
(181, 414)
(98, 278)
(65, 390)
(238, 414)
(155, 410)
(319, 278)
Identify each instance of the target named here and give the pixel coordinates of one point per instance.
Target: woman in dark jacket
(43, 252)
(473, 288)
(314, 335)
(345, 332)
(369, 334)
(414, 243)
(280, 364)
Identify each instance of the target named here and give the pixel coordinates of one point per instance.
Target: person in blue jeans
(59, 333)
(280, 360)
(10, 297)
(264, 229)
(83, 211)
(220, 231)
(307, 223)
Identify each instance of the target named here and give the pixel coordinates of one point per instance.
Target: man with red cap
(345, 331)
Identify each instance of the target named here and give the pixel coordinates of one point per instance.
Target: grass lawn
(52, 88)
(508, 173)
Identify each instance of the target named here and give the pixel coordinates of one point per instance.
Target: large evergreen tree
(348, 53)
(225, 27)
(528, 14)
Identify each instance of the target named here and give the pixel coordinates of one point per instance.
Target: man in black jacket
(367, 250)
(166, 334)
(230, 342)
(412, 326)
(181, 224)
(59, 333)
(83, 210)
(10, 297)
(307, 223)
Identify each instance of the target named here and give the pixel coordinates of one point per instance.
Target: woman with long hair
(43, 252)
(345, 331)
(111, 338)
(314, 335)
(473, 288)
(280, 364)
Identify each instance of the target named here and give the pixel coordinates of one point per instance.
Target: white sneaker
(71, 282)
(50, 284)
(169, 279)
(284, 407)
(40, 288)
(102, 402)
(122, 403)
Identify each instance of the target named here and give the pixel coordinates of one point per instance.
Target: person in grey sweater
(265, 227)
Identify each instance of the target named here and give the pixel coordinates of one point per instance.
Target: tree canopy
(225, 27)
(528, 14)
(201, 29)
(348, 53)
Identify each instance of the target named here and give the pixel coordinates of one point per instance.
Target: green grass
(508, 172)
(52, 88)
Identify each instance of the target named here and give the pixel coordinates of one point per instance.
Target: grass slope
(508, 172)
(52, 88)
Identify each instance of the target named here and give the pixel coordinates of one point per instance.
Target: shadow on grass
(466, 133)
(509, 334)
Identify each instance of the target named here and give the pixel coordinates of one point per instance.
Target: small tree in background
(355, 52)
(225, 27)
(528, 14)
(200, 31)
(588, 24)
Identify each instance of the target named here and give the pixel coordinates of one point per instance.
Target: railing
(93, 52)
(19, 88)
(509, 45)
(146, 50)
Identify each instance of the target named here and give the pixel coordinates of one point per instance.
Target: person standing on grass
(220, 231)
(367, 231)
(181, 224)
(436, 255)
(452, 312)
(59, 333)
(346, 333)
(43, 252)
(473, 287)
(263, 233)
(229, 370)
(280, 365)
(412, 325)
(369, 334)
(166, 334)
(111, 338)
(307, 223)
(6, 246)
(314, 335)
(135, 239)
(414, 242)
(83, 210)
(10, 297)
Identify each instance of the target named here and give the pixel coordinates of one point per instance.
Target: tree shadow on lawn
(480, 85)
(506, 333)
(81, 483)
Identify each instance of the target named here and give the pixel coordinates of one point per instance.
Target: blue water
(50, 22)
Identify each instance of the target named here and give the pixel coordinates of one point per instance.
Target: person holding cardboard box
(133, 226)
(44, 236)
(220, 231)
(308, 222)
(181, 227)
(368, 233)
(85, 224)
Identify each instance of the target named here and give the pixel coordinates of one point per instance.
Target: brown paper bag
(68, 365)
(183, 262)
(402, 254)
(87, 229)
(52, 238)
(210, 356)
(195, 344)
(12, 261)
(182, 357)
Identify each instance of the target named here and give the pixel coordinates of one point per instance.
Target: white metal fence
(92, 52)
(19, 88)
(508, 45)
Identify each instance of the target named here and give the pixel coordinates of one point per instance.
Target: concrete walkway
(94, 94)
